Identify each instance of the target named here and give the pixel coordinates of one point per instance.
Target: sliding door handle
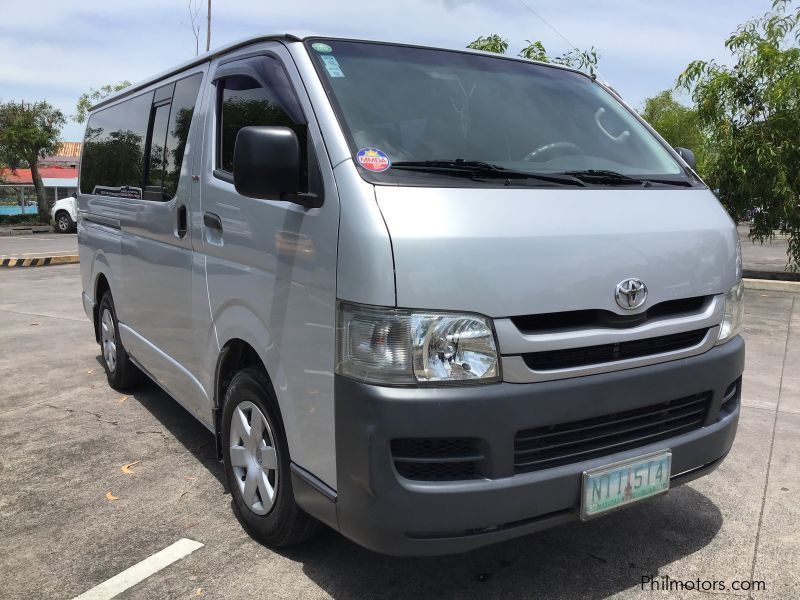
(212, 221)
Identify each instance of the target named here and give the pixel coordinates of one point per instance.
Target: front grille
(436, 459)
(566, 443)
(588, 319)
(592, 355)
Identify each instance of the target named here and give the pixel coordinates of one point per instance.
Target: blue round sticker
(373, 160)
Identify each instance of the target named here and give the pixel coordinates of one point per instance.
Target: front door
(271, 264)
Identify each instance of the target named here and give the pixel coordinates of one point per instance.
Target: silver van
(433, 299)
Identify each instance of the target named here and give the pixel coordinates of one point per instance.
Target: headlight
(403, 347)
(734, 314)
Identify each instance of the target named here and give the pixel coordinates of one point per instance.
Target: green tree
(93, 96)
(28, 132)
(490, 43)
(585, 60)
(751, 115)
(677, 124)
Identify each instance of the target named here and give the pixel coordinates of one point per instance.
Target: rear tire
(122, 374)
(257, 464)
(63, 223)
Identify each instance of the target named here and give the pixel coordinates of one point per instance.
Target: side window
(183, 104)
(135, 149)
(169, 131)
(153, 189)
(257, 92)
(244, 102)
(114, 149)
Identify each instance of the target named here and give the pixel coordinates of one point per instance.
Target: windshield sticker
(323, 48)
(373, 160)
(332, 65)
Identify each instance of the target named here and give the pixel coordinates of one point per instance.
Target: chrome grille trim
(516, 371)
(511, 341)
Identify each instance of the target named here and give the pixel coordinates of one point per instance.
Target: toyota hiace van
(433, 299)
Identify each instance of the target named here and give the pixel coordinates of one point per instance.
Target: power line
(546, 22)
(557, 32)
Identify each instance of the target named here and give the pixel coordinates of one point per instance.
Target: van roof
(197, 60)
(289, 37)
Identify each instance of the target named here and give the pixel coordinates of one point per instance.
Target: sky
(57, 49)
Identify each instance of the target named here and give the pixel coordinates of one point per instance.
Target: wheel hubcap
(63, 223)
(108, 340)
(254, 458)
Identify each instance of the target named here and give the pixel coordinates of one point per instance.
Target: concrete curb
(773, 275)
(8, 231)
(772, 285)
(38, 261)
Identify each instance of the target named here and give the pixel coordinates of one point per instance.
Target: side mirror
(687, 156)
(266, 165)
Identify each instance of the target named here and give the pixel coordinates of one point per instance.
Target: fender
(236, 321)
(100, 267)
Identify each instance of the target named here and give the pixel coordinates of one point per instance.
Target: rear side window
(114, 147)
(183, 103)
(135, 149)
(153, 189)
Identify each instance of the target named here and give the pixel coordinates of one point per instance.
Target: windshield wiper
(603, 177)
(481, 169)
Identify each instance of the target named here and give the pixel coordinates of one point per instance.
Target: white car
(65, 215)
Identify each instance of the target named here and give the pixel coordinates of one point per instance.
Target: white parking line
(140, 571)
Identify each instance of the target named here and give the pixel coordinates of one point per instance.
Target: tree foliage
(585, 60)
(93, 96)
(490, 43)
(677, 124)
(750, 113)
(29, 131)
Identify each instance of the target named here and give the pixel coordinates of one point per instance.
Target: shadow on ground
(588, 560)
(578, 560)
(181, 424)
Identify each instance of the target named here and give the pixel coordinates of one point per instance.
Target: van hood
(509, 252)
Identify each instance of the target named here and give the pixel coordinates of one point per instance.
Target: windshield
(429, 108)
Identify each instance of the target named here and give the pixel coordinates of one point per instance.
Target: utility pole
(208, 28)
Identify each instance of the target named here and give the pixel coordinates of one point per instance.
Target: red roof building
(59, 175)
(24, 177)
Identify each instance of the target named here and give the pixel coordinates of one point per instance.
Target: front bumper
(382, 511)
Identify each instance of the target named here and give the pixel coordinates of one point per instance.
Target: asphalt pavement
(71, 517)
(38, 244)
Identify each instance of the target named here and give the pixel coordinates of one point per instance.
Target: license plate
(613, 486)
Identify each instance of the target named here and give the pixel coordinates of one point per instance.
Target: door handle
(212, 221)
(182, 221)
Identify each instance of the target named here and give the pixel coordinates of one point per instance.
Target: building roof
(23, 176)
(67, 150)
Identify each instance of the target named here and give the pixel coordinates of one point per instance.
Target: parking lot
(39, 244)
(71, 517)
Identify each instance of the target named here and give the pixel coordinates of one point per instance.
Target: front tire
(256, 458)
(63, 223)
(122, 374)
